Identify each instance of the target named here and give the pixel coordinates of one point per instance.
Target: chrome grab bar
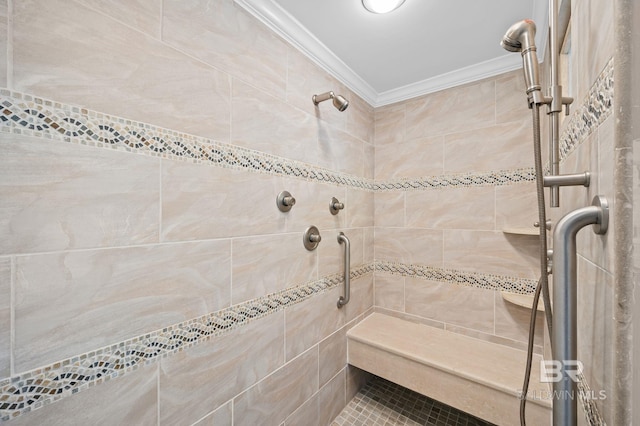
(347, 270)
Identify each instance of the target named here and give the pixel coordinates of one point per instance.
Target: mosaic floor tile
(383, 403)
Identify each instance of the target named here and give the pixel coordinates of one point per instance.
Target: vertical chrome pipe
(556, 102)
(565, 283)
(347, 270)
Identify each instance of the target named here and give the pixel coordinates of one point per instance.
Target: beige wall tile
(596, 339)
(512, 321)
(265, 123)
(456, 208)
(389, 126)
(356, 380)
(332, 353)
(491, 253)
(360, 118)
(143, 15)
(61, 196)
(411, 318)
(511, 98)
(310, 321)
(411, 159)
(592, 40)
(499, 147)
(203, 377)
(5, 317)
(450, 303)
(389, 208)
(368, 244)
(308, 414)
(516, 206)
(273, 399)
(369, 161)
(226, 37)
(339, 151)
(132, 400)
(461, 108)
(361, 297)
(200, 201)
(4, 43)
(72, 302)
(264, 265)
(332, 398)
(223, 416)
(70, 53)
(409, 245)
(389, 292)
(491, 338)
(359, 208)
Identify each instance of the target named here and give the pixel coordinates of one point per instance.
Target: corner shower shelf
(525, 300)
(521, 231)
(473, 375)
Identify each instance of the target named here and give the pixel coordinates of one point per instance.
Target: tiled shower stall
(146, 274)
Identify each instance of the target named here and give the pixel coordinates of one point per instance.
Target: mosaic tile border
(37, 388)
(33, 116)
(596, 107)
(589, 406)
(470, 279)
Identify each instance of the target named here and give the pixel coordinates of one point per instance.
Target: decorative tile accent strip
(32, 390)
(471, 279)
(595, 108)
(494, 178)
(33, 116)
(29, 115)
(588, 403)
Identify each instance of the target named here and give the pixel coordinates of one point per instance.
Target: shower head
(338, 101)
(520, 37)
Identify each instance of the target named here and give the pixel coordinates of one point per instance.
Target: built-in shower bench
(478, 377)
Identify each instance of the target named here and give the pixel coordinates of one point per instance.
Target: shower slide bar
(347, 270)
(565, 284)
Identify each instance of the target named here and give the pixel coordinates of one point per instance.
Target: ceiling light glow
(381, 6)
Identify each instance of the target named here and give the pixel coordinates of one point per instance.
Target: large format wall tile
(389, 125)
(5, 316)
(332, 253)
(199, 379)
(312, 206)
(263, 265)
(333, 355)
(450, 303)
(223, 416)
(60, 196)
(332, 398)
(457, 109)
(457, 208)
(72, 302)
(309, 322)
(200, 202)
(128, 400)
(411, 159)
(223, 35)
(491, 253)
(143, 15)
(504, 146)
(273, 399)
(70, 53)
(389, 292)
(512, 321)
(4, 42)
(266, 123)
(409, 245)
(511, 99)
(359, 208)
(339, 151)
(516, 206)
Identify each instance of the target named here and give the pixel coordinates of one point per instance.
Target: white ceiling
(422, 47)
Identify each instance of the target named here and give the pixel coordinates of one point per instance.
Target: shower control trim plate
(311, 238)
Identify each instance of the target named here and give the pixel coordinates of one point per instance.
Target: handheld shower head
(338, 101)
(520, 37)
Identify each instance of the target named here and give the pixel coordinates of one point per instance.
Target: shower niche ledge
(521, 231)
(524, 300)
(472, 375)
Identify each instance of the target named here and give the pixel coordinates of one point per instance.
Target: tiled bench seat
(478, 377)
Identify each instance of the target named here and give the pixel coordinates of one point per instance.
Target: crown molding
(291, 30)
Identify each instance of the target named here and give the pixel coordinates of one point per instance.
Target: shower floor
(382, 402)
